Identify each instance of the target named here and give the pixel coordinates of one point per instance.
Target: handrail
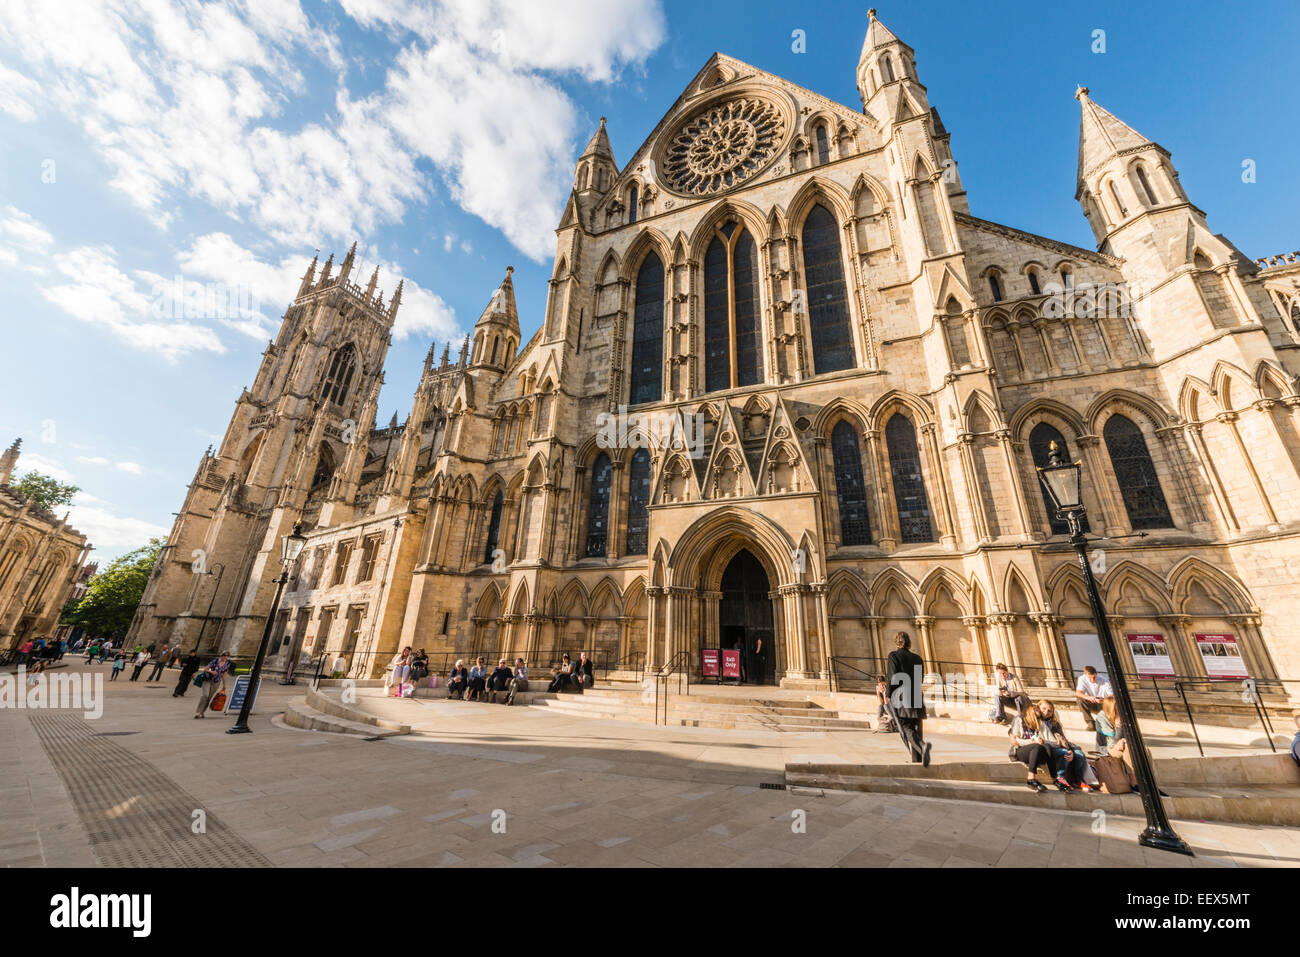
(680, 665)
(1261, 710)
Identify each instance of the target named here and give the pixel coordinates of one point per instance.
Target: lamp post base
(1164, 840)
(239, 729)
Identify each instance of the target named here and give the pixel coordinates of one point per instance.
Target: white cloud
(100, 293)
(16, 92)
(22, 238)
(108, 531)
(93, 459)
(35, 462)
(131, 467)
(188, 100)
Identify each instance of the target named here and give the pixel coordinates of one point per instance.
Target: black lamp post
(198, 642)
(290, 548)
(1061, 479)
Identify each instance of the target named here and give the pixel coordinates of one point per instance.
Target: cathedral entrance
(745, 617)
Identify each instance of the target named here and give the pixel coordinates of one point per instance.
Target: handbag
(433, 681)
(200, 678)
(218, 701)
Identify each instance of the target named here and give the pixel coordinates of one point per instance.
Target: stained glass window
(494, 527)
(909, 484)
(1136, 474)
(638, 496)
(648, 333)
(717, 326)
(850, 489)
(598, 513)
(828, 304)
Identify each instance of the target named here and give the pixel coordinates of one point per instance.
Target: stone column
(653, 653)
(1017, 487)
(712, 622)
(1047, 645)
(971, 476)
(975, 625)
(1006, 638)
(1182, 648)
(818, 591)
(1254, 652)
(924, 624)
(1230, 420)
(949, 537)
(1212, 474)
(880, 476)
(1113, 514)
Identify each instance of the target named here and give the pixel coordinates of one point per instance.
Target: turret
(496, 333)
(594, 174)
(9, 462)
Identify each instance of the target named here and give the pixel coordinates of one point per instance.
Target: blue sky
(222, 143)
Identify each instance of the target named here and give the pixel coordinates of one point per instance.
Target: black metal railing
(679, 667)
(862, 673)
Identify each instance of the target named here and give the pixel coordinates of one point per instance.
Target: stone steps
(324, 704)
(1267, 804)
(702, 711)
(301, 715)
(1252, 789)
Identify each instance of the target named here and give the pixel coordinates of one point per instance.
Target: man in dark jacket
(907, 696)
(189, 665)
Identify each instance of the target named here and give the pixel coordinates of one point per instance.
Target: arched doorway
(745, 616)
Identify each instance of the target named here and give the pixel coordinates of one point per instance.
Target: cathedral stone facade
(787, 387)
(41, 559)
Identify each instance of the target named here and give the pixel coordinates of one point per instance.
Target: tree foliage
(45, 490)
(111, 597)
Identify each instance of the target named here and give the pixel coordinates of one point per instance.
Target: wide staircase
(750, 709)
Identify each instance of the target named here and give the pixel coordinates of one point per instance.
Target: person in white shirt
(1089, 693)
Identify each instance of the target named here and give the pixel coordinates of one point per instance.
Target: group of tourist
(1037, 738)
(478, 684)
(38, 653)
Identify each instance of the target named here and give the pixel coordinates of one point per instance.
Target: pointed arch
(943, 578)
(1192, 570)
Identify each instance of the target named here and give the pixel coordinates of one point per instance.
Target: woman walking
(214, 680)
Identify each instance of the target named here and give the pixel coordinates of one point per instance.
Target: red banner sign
(709, 668)
(731, 663)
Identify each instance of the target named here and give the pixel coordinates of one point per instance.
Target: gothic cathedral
(859, 378)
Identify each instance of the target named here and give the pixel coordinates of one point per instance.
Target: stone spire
(884, 60)
(329, 266)
(1102, 136)
(9, 462)
(396, 301)
(374, 281)
(464, 351)
(308, 276)
(345, 269)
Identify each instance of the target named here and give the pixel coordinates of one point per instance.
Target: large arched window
(733, 335)
(648, 332)
(1136, 474)
(339, 378)
(909, 484)
(1040, 447)
(638, 496)
(494, 527)
(598, 511)
(828, 301)
(850, 489)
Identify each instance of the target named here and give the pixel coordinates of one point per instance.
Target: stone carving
(723, 146)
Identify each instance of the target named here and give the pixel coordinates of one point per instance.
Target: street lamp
(1061, 480)
(198, 642)
(290, 548)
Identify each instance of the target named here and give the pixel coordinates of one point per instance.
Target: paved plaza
(483, 785)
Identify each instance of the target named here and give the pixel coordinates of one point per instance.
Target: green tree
(45, 490)
(112, 596)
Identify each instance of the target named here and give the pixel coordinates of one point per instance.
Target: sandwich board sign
(236, 699)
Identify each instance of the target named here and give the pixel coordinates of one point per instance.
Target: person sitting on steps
(1027, 746)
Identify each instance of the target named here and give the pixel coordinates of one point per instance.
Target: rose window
(723, 146)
